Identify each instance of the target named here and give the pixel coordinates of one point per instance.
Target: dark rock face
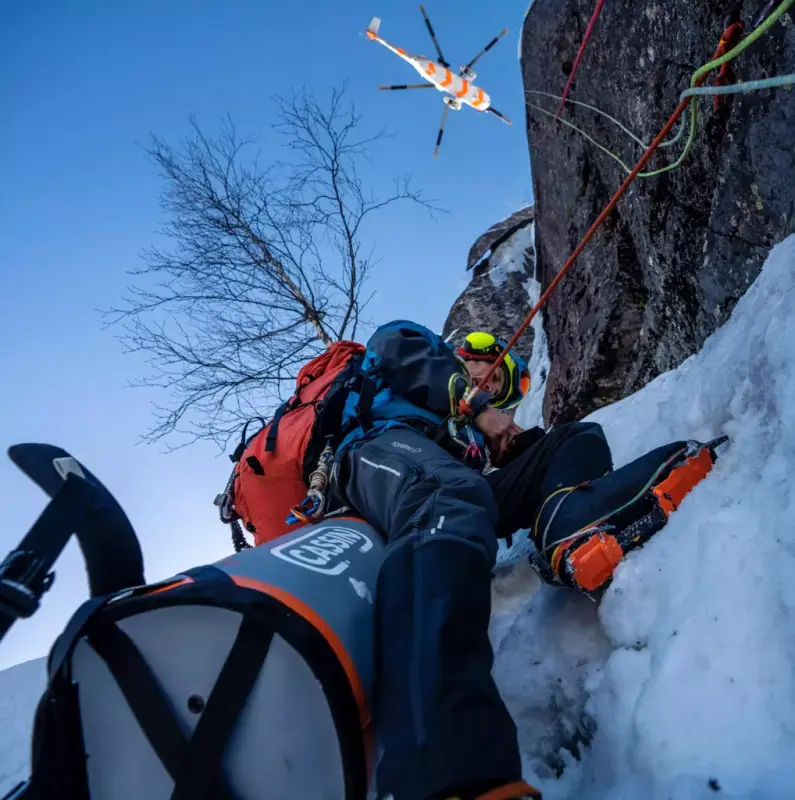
(496, 299)
(671, 262)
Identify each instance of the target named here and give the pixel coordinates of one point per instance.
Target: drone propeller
(441, 130)
(496, 113)
(433, 36)
(484, 51)
(407, 86)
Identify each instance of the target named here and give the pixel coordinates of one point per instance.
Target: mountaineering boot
(519, 790)
(582, 532)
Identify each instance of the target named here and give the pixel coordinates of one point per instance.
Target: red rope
(680, 109)
(583, 45)
(464, 406)
(731, 36)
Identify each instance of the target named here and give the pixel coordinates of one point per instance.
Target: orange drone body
(458, 89)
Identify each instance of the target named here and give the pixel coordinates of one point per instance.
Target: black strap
(201, 766)
(364, 407)
(143, 694)
(65, 643)
(273, 431)
(195, 764)
(440, 432)
(255, 465)
(244, 439)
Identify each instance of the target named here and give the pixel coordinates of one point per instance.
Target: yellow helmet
(482, 346)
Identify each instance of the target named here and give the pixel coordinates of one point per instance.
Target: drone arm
(484, 50)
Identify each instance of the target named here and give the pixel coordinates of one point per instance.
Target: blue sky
(82, 85)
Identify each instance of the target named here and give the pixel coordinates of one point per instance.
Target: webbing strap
(273, 431)
(195, 764)
(145, 698)
(366, 397)
(200, 769)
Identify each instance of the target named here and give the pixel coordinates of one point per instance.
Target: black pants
(566, 456)
(438, 714)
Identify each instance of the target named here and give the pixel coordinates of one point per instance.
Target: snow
(20, 689)
(685, 670)
(510, 255)
(683, 676)
(531, 411)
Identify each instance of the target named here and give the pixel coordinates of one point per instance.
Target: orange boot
(509, 791)
(583, 532)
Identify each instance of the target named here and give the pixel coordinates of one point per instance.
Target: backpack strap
(201, 766)
(367, 392)
(195, 763)
(273, 430)
(244, 439)
(144, 697)
(65, 643)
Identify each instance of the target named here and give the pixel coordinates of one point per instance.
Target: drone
(459, 89)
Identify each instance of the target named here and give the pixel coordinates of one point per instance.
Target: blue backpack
(372, 406)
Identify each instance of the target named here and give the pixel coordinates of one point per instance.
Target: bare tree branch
(264, 268)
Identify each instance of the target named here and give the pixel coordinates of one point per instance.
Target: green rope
(605, 150)
(740, 88)
(694, 92)
(755, 34)
(612, 119)
(585, 135)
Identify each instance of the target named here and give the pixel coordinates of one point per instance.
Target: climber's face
(478, 369)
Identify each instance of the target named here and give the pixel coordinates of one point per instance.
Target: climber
(583, 517)
(510, 383)
(410, 465)
(411, 468)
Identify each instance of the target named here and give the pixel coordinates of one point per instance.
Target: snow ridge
(686, 667)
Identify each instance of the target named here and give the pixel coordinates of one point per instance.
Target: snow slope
(686, 668)
(20, 689)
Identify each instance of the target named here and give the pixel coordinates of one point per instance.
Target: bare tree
(266, 265)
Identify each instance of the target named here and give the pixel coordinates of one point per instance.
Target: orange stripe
(168, 587)
(431, 70)
(480, 98)
(464, 89)
(401, 51)
(448, 78)
(511, 791)
(317, 622)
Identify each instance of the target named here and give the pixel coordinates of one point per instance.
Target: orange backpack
(272, 468)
